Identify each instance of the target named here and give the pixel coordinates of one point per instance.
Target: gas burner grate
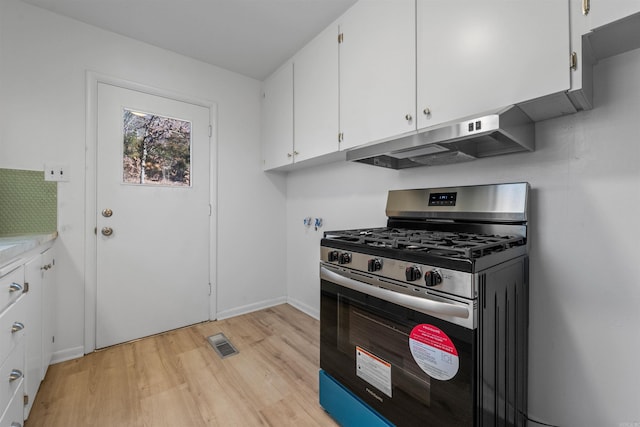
(439, 243)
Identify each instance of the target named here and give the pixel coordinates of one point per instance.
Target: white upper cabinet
(474, 56)
(602, 12)
(277, 118)
(316, 97)
(377, 71)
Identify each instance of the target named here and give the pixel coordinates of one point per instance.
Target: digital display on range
(442, 199)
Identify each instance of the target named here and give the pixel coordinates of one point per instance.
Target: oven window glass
(360, 332)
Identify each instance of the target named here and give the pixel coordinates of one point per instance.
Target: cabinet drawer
(11, 287)
(12, 323)
(13, 364)
(13, 416)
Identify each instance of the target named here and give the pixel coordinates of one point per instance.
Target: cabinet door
(10, 387)
(13, 415)
(33, 273)
(602, 12)
(11, 287)
(491, 54)
(377, 71)
(48, 308)
(315, 105)
(277, 118)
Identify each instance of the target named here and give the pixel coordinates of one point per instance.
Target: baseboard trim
(305, 308)
(67, 354)
(225, 314)
(77, 352)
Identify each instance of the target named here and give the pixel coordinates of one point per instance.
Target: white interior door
(152, 221)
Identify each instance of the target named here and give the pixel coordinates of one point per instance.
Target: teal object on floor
(346, 408)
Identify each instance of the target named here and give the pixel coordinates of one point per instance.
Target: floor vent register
(222, 345)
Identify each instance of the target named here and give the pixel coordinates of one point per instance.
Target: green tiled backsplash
(28, 203)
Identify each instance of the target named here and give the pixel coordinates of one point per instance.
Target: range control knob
(333, 256)
(432, 278)
(412, 273)
(344, 258)
(374, 264)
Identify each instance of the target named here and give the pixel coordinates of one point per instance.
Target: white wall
(585, 274)
(43, 60)
(585, 176)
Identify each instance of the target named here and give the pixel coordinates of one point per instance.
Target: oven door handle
(423, 305)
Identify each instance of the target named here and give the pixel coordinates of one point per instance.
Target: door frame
(90, 223)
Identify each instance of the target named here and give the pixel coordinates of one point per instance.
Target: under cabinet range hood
(508, 130)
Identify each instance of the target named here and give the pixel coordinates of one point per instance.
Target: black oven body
(489, 386)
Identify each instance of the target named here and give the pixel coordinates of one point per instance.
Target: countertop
(12, 247)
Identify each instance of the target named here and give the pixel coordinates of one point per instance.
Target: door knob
(107, 231)
(15, 374)
(107, 213)
(15, 287)
(16, 327)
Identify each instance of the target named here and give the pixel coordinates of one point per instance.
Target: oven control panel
(412, 273)
(418, 276)
(432, 278)
(339, 257)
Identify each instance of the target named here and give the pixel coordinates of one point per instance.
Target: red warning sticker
(434, 352)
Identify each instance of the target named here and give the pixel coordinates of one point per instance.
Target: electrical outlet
(56, 172)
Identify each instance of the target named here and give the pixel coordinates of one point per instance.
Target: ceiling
(250, 37)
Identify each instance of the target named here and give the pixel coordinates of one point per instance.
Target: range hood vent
(504, 131)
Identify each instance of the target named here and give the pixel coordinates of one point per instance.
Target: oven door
(395, 353)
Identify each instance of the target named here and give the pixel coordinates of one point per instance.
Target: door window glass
(156, 150)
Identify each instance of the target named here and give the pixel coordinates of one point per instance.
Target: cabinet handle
(408, 117)
(15, 287)
(15, 374)
(289, 155)
(295, 153)
(586, 7)
(17, 326)
(426, 112)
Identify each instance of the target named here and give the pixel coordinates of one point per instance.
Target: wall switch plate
(56, 172)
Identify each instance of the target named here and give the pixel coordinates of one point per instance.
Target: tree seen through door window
(157, 150)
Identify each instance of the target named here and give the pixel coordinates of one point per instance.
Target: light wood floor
(176, 379)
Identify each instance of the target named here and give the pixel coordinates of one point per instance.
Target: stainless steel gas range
(424, 321)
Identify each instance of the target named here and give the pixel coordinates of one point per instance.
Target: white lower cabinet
(33, 301)
(12, 373)
(13, 416)
(12, 344)
(49, 292)
(26, 331)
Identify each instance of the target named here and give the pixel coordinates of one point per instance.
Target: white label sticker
(434, 352)
(373, 370)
